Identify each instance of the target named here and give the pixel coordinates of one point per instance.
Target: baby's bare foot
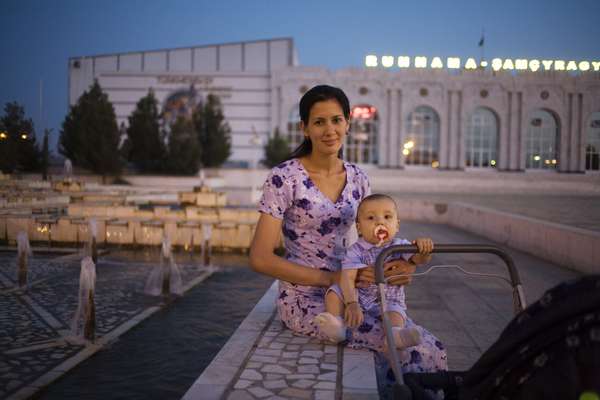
(406, 337)
(331, 326)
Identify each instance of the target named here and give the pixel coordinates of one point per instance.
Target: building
(403, 118)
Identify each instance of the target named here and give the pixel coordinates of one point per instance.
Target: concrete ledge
(358, 377)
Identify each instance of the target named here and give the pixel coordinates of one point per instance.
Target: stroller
(550, 350)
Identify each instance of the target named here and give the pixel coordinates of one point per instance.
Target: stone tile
(303, 383)
(332, 367)
(299, 376)
(267, 352)
(309, 369)
(325, 385)
(311, 353)
(264, 359)
(253, 365)
(330, 349)
(289, 362)
(290, 354)
(292, 347)
(296, 393)
(329, 376)
(251, 375)
(330, 358)
(260, 392)
(277, 346)
(278, 384)
(242, 384)
(306, 360)
(271, 377)
(275, 369)
(299, 340)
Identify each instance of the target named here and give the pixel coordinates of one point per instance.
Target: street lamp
(3, 136)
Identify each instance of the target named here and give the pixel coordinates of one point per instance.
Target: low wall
(573, 248)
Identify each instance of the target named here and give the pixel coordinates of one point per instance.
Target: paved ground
(467, 313)
(582, 211)
(34, 324)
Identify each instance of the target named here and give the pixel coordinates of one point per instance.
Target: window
(541, 141)
(422, 143)
(592, 146)
(361, 142)
(481, 141)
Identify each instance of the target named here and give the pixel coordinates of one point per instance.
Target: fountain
(206, 251)
(23, 252)
(84, 321)
(166, 277)
(92, 248)
(68, 170)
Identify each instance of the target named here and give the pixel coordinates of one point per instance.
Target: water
(162, 356)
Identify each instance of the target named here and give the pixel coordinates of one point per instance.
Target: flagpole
(482, 46)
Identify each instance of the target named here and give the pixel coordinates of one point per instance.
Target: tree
(145, 140)
(90, 135)
(184, 151)
(214, 134)
(18, 148)
(277, 150)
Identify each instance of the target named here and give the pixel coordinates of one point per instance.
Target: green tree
(213, 132)
(146, 143)
(184, 150)
(90, 135)
(277, 150)
(18, 148)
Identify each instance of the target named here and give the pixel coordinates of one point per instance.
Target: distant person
(312, 199)
(377, 224)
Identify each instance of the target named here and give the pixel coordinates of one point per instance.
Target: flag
(481, 41)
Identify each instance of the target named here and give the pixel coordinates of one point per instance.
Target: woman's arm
(264, 260)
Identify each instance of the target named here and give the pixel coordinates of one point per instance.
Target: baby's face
(377, 221)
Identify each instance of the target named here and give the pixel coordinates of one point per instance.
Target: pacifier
(381, 233)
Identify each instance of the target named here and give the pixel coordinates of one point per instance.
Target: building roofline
(288, 38)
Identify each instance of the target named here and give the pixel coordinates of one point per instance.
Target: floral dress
(315, 233)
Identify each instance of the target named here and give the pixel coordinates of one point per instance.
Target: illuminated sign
(497, 64)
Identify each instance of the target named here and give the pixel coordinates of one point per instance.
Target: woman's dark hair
(314, 95)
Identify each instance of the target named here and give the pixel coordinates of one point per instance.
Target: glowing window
(361, 142)
(422, 141)
(541, 141)
(592, 146)
(481, 141)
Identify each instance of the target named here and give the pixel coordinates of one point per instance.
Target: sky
(38, 37)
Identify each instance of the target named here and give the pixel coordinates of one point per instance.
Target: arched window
(592, 145)
(481, 141)
(294, 135)
(541, 142)
(361, 142)
(422, 143)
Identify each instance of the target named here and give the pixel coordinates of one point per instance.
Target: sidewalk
(264, 360)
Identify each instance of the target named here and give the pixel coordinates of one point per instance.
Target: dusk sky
(38, 37)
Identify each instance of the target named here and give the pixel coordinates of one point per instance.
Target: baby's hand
(425, 245)
(353, 315)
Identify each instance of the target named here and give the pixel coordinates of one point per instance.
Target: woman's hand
(391, 270)
(353, 315)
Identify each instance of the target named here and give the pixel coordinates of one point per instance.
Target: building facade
(408, 118)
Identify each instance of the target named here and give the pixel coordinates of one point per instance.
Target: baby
(377, 224)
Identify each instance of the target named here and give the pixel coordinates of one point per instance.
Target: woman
(312, 199)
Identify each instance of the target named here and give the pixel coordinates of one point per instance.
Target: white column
(445, 133)
(393, 137)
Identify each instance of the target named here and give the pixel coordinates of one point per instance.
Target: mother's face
(326, 128)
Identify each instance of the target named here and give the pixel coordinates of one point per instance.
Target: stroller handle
(450, 248)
